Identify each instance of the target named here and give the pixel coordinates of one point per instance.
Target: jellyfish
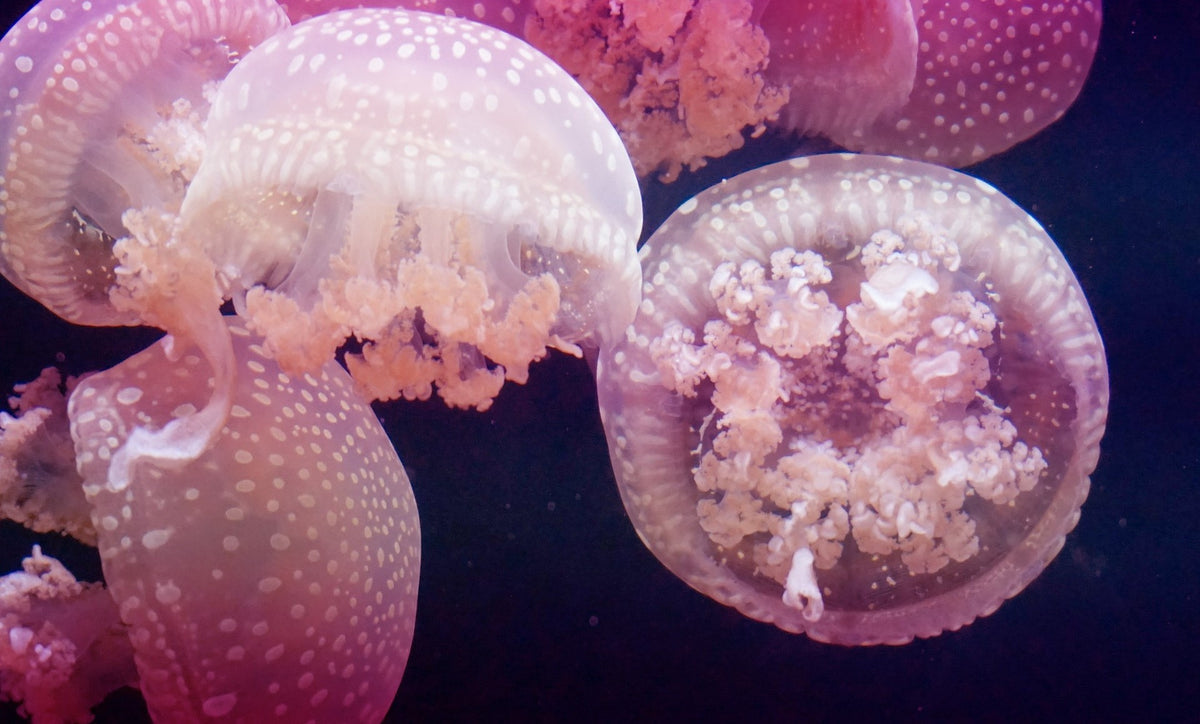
(987, 77)
(435, 188)
(681, 80)
(102, 134)
(687, 80)
(861, 399)
(106, 101)
(272, 577)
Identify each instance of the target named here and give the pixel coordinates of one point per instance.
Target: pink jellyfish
(861, 399)
(988, 75)
(273, 577)
(101, 138)
(432, 186)
(684, 80)
(105, 103)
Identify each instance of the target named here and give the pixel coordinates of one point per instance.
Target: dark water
(539, 603)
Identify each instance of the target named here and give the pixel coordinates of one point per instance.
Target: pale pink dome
(271, 577)
(432, 186)
(861, 399)
(988, 75)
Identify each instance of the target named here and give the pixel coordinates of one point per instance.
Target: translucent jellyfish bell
(103, 104)
(431, 185)
(274, 577)
(861, 399)
(98, 140)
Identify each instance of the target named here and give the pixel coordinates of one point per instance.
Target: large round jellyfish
(430, 185)
(272, 578)
(861, 398)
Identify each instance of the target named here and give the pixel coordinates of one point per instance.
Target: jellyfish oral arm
(800, 589)
(166, 280)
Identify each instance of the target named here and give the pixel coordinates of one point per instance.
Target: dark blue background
(539, 603)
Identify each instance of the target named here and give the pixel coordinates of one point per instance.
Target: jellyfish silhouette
(861, 399)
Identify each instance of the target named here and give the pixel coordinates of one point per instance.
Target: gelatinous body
(683, 80)
(274, 576)
(988, 75)
(861, 398)
(432, 185)
(103, 105)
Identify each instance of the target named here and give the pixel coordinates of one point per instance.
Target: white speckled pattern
(275, 577)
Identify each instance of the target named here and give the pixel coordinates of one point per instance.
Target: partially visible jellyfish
(988, 76)
(102, 129)
(104, 103)
(274, 577)
(681, 80)
(432, 186)
(685, 80)
(861, 399)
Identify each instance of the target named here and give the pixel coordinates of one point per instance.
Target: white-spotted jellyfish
(861, 399)
(432, 186)
(271, 578)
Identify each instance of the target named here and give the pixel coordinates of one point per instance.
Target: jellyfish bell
(104, 104)
(506, 15)
(430, 185)
(98, 142)
(274, 576)
(981, 87)
(861, 399)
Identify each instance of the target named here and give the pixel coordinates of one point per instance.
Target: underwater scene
(549, 360)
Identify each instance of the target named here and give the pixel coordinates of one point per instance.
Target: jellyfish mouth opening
(857, 443)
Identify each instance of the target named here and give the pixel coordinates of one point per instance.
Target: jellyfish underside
(861, 398)
(838, 406)
(108, 101)
(438, 295)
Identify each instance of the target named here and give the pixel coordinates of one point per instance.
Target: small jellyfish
(274, 577)
(432, 186)
(861, 399)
